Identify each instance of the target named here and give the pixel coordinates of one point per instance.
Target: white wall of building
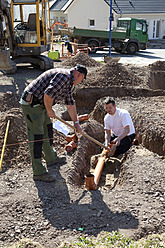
(81, 12)
(58, 15)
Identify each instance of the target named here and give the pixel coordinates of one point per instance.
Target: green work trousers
(40, 137)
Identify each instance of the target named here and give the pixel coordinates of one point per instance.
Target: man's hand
(116, 141)
(51, 114)
(78, 127)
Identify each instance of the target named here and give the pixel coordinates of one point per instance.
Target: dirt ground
(130, 197)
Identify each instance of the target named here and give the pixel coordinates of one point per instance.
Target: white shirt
(118, 121)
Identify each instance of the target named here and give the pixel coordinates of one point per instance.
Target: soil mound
(158, 65)
(157, 75)
(16, 146)
(81, 58)
(112, 74)
(8, 100)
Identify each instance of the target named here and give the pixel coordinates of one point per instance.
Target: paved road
(145, 57)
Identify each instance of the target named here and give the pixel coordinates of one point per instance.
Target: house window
(91, 23)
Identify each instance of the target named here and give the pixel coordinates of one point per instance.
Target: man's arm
(121, 135)
(107, 137)
(48, 101)
(73, 114)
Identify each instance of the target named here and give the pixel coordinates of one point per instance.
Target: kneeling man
(119, 128)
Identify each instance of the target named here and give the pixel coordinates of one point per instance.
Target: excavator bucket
(6, 64)
(109, 59)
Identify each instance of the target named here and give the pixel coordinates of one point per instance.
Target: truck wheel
(131, 48)
(93, 44)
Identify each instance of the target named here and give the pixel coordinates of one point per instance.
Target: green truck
(129, 36)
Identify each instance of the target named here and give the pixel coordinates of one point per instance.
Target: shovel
(84, 134)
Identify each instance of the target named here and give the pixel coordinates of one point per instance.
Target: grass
(117, 240)
(103, 240)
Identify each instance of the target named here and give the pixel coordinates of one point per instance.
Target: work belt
(31, 99)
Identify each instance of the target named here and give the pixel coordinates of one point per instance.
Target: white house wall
(58, 15)
(81, 11)
(149, 18)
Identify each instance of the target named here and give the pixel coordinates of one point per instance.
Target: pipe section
(92, 180)
(69, 147)
(73, 137)
(83, 117)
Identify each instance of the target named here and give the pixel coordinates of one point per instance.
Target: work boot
(58, 160)
(46, 177)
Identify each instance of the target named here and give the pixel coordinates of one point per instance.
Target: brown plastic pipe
(91, 181)
(73, 137)
(83, 117)
(69, 147)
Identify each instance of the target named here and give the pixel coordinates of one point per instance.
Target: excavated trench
(143, 99)
(150, 133)
(146, 109)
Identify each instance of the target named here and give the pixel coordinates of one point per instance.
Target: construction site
(129, 197)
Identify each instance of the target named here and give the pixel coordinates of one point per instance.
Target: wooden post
(62, 50)
(87, 50)
(4, 144)
(52, 40)
(75, 46)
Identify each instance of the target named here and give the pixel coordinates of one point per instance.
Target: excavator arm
(6, 38)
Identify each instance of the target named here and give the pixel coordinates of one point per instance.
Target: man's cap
(82, 69)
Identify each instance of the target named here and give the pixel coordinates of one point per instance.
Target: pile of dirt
(17, 146)
(111, 74)
(8, 100)
(157, 75)
(80, 58)
(158, 65)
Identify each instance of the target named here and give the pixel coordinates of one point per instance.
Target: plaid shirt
(57, 83)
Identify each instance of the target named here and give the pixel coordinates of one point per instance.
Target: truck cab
(136, 33)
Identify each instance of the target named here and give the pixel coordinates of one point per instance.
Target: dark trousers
(125, 144)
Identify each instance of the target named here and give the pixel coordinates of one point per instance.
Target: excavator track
(44, 63)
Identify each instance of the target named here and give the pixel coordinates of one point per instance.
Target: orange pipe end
(70, 146)
(89, 182)
(83, 117)
(73, 137)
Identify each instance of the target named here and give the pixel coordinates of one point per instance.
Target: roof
(121, 6)
(137, 6)
(61, 5)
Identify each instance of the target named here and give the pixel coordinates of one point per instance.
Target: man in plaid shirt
(37, 100)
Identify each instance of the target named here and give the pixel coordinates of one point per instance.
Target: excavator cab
(29, 34)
